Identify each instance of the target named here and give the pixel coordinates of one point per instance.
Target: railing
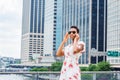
(86, 75)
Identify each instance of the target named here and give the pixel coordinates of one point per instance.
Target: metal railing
(85, 75)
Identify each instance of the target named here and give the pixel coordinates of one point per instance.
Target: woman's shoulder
(81, 42)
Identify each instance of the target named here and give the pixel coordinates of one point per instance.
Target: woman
(70, 69)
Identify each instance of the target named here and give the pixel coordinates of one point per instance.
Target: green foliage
(93, 67)
(56, 66)
(39, 69)
(104, 66)
(83, 68)
(101, 66)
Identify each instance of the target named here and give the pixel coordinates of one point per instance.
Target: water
(13, 77)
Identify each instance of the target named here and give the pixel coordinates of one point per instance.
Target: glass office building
(32, 30)
(59, 23)
(90, 17)
(113, 31)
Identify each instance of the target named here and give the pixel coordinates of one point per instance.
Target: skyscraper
(50, 27)
(90, 17)
(113, 30)
(50, 31)
(32, 30)
(98, 30)
(59, 23)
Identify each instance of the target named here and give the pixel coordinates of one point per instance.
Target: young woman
(70, 69)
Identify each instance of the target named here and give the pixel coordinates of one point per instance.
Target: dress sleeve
(81, 42)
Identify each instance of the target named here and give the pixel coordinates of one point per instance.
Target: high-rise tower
(32, 30)
(90, 17)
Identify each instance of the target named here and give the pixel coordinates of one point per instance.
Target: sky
(10, 28)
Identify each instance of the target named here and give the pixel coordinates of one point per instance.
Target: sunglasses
(71, 32)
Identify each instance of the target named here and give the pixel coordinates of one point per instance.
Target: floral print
(70, 69)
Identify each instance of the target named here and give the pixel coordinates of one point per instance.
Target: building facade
(50, 27)
(98, 30)
(59, 23)
(90, 17)
(32, 30)
(113, 31)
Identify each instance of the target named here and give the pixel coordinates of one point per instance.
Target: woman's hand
(60, 51)
(77, 37)
(66, 37)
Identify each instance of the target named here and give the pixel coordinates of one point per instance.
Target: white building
(113, 30)
(50, 21)
(49, 30)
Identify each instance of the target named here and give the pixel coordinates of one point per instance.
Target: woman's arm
(77, 47)
(60, 51)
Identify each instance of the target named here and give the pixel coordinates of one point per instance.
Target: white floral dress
(70, 69)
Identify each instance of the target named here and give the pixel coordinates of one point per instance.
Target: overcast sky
(10, 28)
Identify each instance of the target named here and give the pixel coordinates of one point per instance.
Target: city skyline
(10, 16)
(10, 28)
